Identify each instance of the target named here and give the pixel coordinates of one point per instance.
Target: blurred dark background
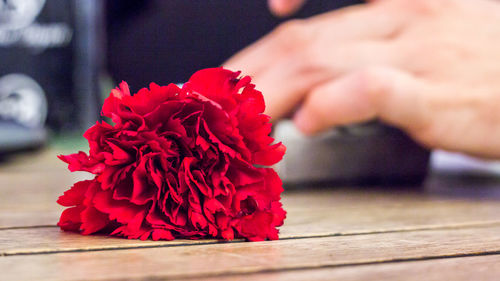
(66, 47)
(166, 41)
(60, 58)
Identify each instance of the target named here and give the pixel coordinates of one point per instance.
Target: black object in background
(167, 41)
(54, 44)
(50, 53)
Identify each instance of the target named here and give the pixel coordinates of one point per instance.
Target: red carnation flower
(179, 163)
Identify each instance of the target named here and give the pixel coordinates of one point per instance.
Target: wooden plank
(347, 211)
(44, 160)
(51, 239)
(31, 184)
(333, 213)
(457, 269)
(38, 240)
(30, 200)
(239, 258)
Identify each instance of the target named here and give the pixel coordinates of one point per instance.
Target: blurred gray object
(359, 154)
(58, 45)
(23, 110)
(51, 53)
(14, 138)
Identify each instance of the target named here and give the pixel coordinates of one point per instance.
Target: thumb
(284, 8)
(387, 94)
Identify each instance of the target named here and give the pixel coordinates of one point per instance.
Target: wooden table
(447, 229)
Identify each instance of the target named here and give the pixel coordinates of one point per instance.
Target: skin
(285, 8)
(431, 68)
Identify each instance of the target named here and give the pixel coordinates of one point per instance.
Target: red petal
(75, 195)
(70, 219)
(278, 213)
(81, 162)
(212, 83)
(121, 210)
(274, 185)
(255, 227)
(197, 219)
(252, 101)
(228, 234)
(270, 156)
(119, 156)
(142, 192)
(111, 105)
(146, 100)
(161, 234)
(93, 220)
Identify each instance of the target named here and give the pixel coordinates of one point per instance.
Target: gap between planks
(390, 269)
(255, 258)
(184, 243)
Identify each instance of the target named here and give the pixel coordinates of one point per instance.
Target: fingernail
(279, 7)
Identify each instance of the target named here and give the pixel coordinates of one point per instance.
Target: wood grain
(39, 240)
(31, 184)
(29, 200)
(433, 233)
(44, 160)
(457, 269)
(239, 258)
(310, 214)
(348, 211)
(52, 239)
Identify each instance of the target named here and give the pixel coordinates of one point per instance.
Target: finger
(286, 39)
(285, 84)
(350, 57)
(375, 20)
(393, 96)
(284, 8)
(355, 23)
(299, 55)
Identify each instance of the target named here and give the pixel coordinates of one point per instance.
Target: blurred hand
(431, 68)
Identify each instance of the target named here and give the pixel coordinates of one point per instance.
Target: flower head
(179, 163)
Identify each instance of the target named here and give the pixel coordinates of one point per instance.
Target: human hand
(431, 68)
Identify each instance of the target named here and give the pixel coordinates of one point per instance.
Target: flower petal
(75, 195)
